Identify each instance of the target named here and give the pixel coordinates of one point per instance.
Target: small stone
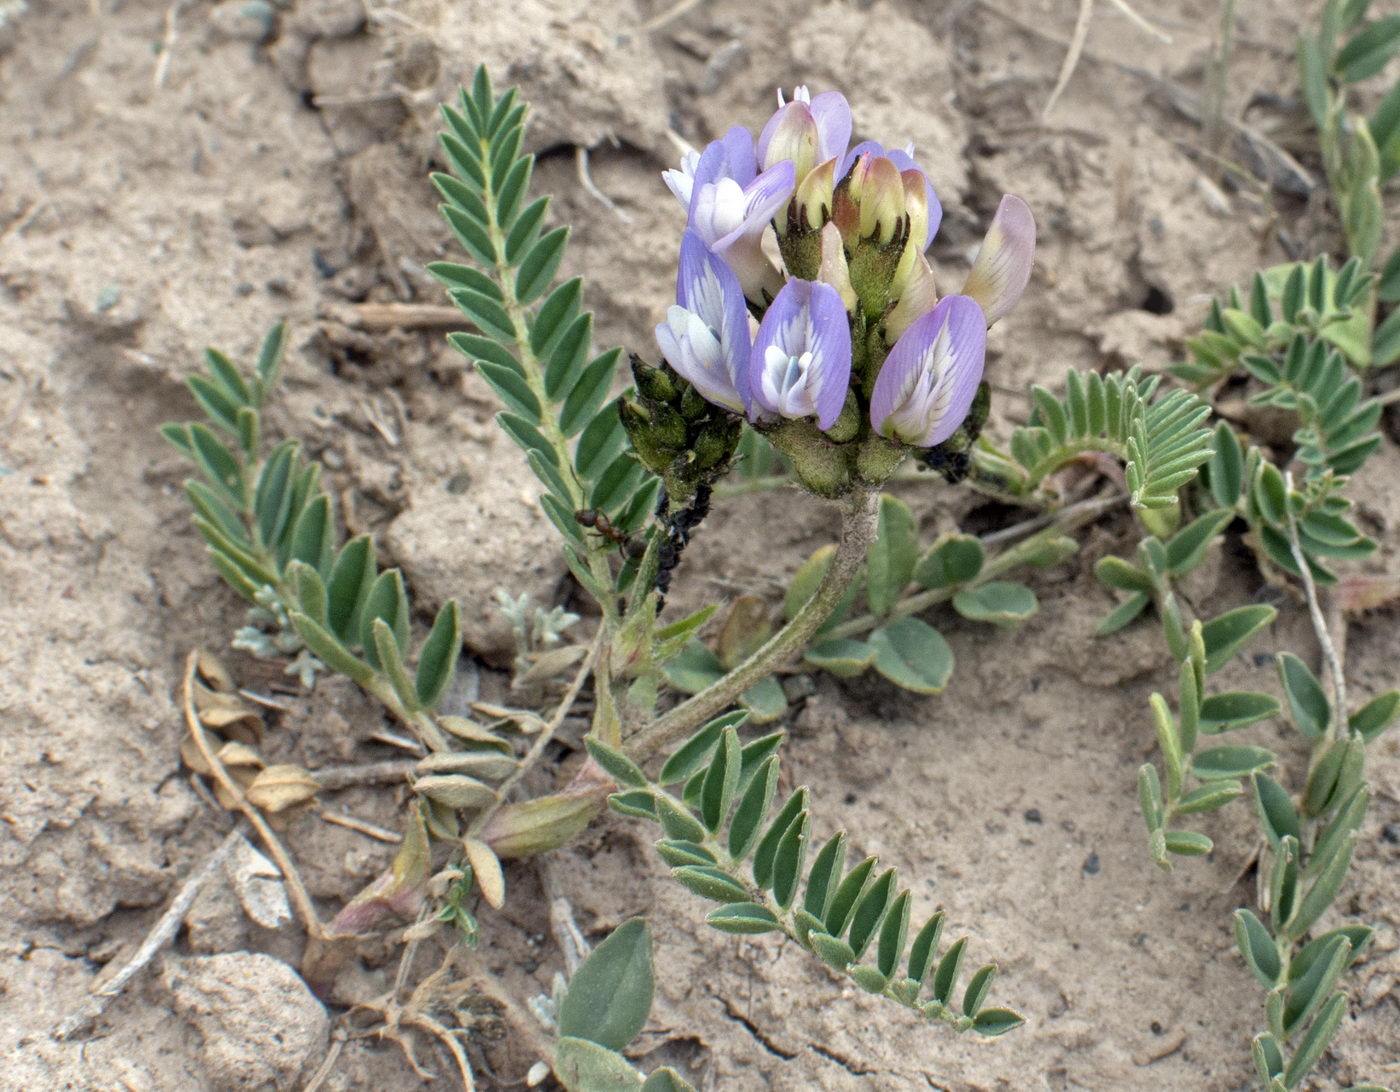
(243, 20)
(329, 18)
(1091, 865)
(260, 1025)
(1032, 815)
(1391, 833)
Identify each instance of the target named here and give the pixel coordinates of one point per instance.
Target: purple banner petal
(928, 382)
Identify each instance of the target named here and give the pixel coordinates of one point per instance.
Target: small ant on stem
(630, 545)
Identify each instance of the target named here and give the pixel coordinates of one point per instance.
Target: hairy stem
(1319, 624)
(1069, 518)
(857, 533)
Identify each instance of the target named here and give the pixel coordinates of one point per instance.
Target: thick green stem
(857, 533)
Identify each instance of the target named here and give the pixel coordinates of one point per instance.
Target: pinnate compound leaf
(1003, 603)
(912, 654)
(892, 555)
(951, 560)
(609, 997)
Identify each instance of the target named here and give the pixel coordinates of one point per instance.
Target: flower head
(928, 382)
(801, 360)
(806, 131)
(1003, 265)
(705, 337)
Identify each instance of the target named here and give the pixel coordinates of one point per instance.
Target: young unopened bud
(715, 445)
(653, 383)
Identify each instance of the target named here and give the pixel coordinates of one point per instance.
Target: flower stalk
(857, 533)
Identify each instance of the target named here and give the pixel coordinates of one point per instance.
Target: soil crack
(752, 1029)
(845, 1063)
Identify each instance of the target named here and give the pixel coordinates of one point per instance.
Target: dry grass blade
(1071, 61)
(300, 899)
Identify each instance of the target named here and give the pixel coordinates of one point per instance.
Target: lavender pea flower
(806, 131)
(705, 337)
(731, 156)
(801, 360)
(927, 383)
(1003, 265)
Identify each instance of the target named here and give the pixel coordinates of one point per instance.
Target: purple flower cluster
(856, 221)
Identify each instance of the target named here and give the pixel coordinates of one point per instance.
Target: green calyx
(681, 438)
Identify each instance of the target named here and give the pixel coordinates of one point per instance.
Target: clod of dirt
(260, 1025)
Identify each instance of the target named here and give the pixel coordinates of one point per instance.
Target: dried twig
(367, 773)
(370, 830)
(675, 11)
(167, 45)
(542, 740)
(1330, 655)
(327, 1066)
(1071, 61)
(300, 899)
(160, 935)
(586, 181)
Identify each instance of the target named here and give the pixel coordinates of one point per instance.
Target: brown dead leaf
(487, 867)
(280, 787)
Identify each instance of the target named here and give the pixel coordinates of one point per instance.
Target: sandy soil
(174, 177)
